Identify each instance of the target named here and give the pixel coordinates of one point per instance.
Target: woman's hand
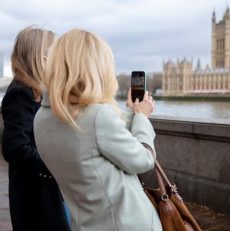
(129, 102)
(146, 106)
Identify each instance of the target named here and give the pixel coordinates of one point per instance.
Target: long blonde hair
(28, 57)
(80, 71)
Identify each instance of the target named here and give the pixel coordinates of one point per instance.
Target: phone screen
(138, 85)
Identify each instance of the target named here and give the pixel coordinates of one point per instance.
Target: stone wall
(196, 156)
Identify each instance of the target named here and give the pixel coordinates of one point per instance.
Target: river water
(218, 112)
(205, 111)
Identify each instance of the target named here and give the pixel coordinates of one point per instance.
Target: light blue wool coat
(96, 167)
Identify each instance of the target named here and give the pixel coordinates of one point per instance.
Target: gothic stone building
(180, 79)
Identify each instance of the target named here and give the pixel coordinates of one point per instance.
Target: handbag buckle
(164, 197)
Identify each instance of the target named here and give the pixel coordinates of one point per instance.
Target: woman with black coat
(35, 200)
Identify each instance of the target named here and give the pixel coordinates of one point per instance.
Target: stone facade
(221, 41)
(179, 78)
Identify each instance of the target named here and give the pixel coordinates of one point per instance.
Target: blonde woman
(35, 200)
(82, 137)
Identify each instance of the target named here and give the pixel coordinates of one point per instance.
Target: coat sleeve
(18, 145)
(128, 115)
(122, 148)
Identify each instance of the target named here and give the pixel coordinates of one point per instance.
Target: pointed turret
(198, 65)
(214, 16)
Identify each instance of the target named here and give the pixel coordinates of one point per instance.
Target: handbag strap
(162, 173)
(162, 179)
(160, 183)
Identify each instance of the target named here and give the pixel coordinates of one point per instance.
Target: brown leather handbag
(173, 213)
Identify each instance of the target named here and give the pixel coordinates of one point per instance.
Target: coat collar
(45, 99)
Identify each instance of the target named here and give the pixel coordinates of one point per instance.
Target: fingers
(129, 93)
(146, 95)
(150, 98)
(135, 105)
(136, 101)
(129, 102)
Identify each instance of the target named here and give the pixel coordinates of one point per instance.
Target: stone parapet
(196, 156)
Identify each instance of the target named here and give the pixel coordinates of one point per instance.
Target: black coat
(35, 200)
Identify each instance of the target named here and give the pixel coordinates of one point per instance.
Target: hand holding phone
(138, 85)
(146, 106)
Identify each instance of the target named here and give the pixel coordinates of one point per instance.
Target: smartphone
(138, 85)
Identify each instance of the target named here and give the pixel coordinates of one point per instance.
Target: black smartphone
(138, 85)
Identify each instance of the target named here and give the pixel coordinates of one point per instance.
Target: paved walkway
(208, 220)
(5, 224)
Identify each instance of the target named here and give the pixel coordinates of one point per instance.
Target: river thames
(218, 112)
(205, 111)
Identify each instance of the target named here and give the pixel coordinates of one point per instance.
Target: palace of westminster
(180, 79)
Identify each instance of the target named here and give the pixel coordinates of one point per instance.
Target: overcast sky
(142, 33)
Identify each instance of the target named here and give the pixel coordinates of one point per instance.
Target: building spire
(214, 16)
(198, 65)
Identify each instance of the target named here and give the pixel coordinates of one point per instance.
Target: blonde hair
(28, 57)
(80, 72)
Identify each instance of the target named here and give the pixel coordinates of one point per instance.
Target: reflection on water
(192, 109)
